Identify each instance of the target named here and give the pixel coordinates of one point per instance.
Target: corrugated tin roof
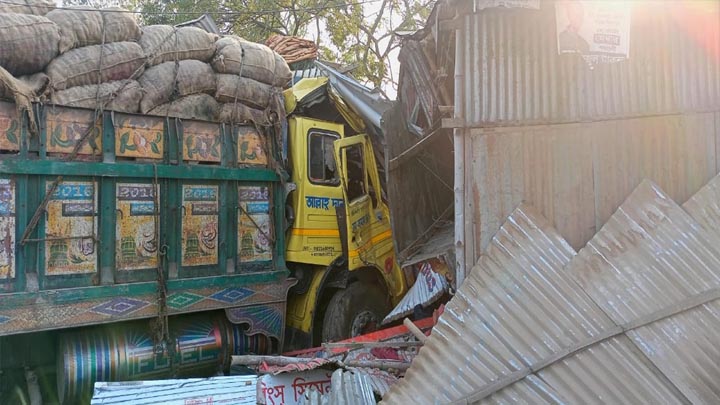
(216, 390)
(629, 319)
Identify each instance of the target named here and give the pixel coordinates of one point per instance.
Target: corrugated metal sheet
(513, 73)
(658, 256)
(534, 324)
(428, 287)
(704, 206)
(577, 175)
(216, 390)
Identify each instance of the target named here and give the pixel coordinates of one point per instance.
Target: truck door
(367, 222)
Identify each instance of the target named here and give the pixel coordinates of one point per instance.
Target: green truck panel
(148, 205)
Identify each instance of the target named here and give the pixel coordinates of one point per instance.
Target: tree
(366, 40)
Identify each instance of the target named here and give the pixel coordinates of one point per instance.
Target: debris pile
(293, 49)
(102, 59)
(366, 366)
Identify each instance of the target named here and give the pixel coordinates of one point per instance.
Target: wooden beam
(413, 150)
(446, 109)
(452, 123)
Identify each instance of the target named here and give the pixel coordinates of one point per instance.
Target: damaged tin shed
(483, 85)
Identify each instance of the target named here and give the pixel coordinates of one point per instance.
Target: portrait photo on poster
(594, 29)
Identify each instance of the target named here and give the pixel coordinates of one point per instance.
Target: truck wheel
(354, 311)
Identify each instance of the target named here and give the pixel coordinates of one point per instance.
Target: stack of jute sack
(102, 59)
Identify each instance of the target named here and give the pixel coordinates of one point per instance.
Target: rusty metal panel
(199, 225)
(254, 224)
(202, 142)
(675, 152)
(139, 136)
(513, 73)
(550, 168)
(516, 312)
(66, 126)
(7, 229)
(9, 127)
(71, 228)
(252, 147)
(577, 175)
(136, 232)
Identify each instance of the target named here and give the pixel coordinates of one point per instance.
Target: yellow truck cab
(339, 240)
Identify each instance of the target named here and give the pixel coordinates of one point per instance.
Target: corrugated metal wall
(515, 75)
(583, 138)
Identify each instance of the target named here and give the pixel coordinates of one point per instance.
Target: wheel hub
(364, 322)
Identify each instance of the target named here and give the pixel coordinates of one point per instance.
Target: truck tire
(353, 311)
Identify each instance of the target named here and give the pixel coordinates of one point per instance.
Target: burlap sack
(19, 93)
(248, 91)
(121, 95)
(195, 107)
(36, 7)
(159, 82)
(239, 113)
(33, 86)
(257, 61)
(81, 67)
(27, 43)
(83, 27)
(164, 43)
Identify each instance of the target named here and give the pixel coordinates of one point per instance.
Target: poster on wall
(135, 227)
(199, 225)
(598, 30)
(71, 229)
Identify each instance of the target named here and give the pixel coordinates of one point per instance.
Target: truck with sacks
(168, 199)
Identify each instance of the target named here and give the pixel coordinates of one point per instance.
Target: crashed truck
(144, 243)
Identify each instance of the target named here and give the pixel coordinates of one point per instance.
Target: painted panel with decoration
(254, 224)
(71, 229)
(136, 233)
(139, 137)
(199, 225)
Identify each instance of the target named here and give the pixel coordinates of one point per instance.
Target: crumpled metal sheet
(299, 366)
(230, 390)
(429, 286)
(632, 318)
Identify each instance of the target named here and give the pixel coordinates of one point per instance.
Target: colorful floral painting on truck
(139, 137)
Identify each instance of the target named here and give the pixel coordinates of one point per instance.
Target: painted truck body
(160, 249)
